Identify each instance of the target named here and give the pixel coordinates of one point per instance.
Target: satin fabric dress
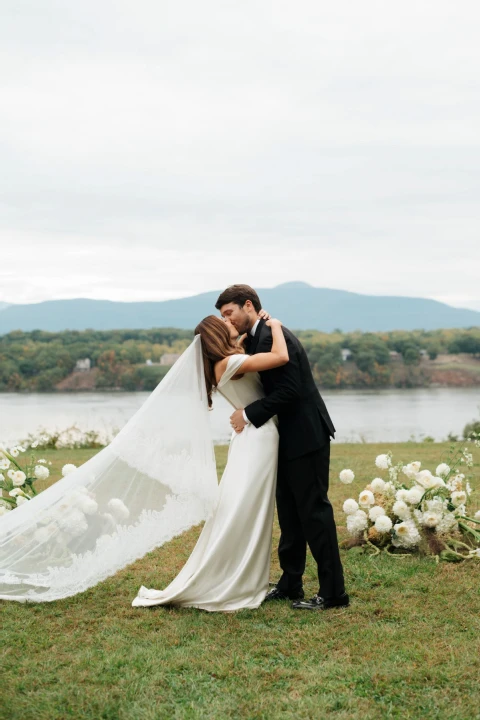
(229, 566)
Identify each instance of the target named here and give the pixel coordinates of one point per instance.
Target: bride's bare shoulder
(220, 368)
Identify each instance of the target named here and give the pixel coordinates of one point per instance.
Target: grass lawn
(408, 647)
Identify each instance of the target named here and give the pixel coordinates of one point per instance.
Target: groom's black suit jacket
(304, 424)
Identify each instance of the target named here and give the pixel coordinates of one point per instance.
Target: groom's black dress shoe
(276, 594)
(319, 603)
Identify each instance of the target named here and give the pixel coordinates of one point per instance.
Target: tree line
(39, 360)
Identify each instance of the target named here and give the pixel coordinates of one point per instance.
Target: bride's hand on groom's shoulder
(264, 315)
(272, 322)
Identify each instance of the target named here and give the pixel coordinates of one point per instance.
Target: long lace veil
(155, 480)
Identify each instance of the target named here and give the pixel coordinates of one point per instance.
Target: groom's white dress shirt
(252, 333)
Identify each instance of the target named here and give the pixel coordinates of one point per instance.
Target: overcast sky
(154, 149)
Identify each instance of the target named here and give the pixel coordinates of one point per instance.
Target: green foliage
(411, 355)
(466, 342)
(471, 429)
(39, 360)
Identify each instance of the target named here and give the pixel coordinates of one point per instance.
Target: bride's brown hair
(216, 345)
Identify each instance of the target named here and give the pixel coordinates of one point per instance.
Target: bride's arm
(277, 356)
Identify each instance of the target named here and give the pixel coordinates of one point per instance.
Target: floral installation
(413, 510)
(18, 475)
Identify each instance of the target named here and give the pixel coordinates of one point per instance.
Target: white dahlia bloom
(414, 495)
(357, 522)
(437, 505)
(377, 485)
(347, 476)
(87, 504)
(401, 494)
(109, 518)
(411, 469)
(366, 498)
(350, 506)
(74, 523)
(456, 482)
(383, 462)
(68, 468)
(401, 509)
(21, 499)
(4, 463)
(18, 478)
(458, 497)
(446, 524)
(118, 508)
(14, 452)
(41, 472)
(383, 524)
(430, 519)
(426, 479)
(442, 470)
(375, 512)
(406, 535)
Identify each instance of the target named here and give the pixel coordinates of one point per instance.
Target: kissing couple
(157, 479)
(280, 445)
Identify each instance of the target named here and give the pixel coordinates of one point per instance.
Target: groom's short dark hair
(239, 294)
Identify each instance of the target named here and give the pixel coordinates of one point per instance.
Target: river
(359, 415)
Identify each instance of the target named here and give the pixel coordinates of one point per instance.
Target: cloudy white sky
(154, 149)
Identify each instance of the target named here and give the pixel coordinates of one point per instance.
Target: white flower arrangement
(17, 486)
(415, 510)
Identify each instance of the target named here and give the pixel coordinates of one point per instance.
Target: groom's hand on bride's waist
(237, 420)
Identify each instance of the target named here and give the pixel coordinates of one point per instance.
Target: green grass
(408, 647)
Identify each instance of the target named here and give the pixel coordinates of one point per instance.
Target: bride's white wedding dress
(229, 566)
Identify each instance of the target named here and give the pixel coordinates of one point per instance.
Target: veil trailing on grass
(154, 481)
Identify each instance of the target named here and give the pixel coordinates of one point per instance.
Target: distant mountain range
(298, 305)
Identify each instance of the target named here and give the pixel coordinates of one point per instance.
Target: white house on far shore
(83, 365)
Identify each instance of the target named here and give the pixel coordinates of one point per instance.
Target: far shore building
(83, 365)
(346, 354)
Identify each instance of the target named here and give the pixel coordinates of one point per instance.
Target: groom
(305, 428)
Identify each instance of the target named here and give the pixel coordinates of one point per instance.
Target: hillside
(298, 305)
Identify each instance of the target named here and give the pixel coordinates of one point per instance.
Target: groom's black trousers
(306, 516)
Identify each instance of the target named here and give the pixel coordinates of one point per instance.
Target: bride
(229, 566)
(155, 480)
